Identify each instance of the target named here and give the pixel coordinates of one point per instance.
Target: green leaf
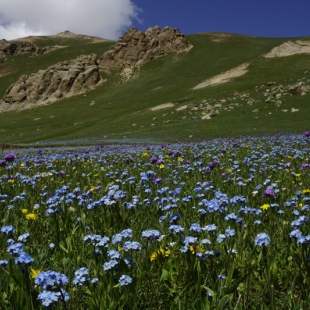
(164, 275)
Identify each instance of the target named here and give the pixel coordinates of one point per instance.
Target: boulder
(64, 79)
(136, 48)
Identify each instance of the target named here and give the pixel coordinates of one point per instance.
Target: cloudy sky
(110, 18)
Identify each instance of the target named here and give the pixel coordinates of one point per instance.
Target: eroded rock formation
(136, 47)
(61, 80)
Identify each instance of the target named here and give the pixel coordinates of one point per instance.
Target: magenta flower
(157, 180)
(269, 193)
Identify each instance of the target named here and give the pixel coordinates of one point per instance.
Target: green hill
(121, 110)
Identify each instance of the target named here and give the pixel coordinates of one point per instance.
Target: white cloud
(103, 18)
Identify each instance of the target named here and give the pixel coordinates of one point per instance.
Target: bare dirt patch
(183, 107)
(224, 77)
(163, 106)
(290, 48)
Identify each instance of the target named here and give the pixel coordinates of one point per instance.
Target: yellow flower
(31, 216)
(34, 273)
(24, 211)
(160, 252)
(297, 176)
(92, 188)
(11, 181)
(180, 159)
(145, 154)
(306, 191)
(195, 249)
(265, 206)
(162, 166)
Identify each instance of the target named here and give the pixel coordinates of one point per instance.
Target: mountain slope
(121, 109)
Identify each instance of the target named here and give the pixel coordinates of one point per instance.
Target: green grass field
(123, 109)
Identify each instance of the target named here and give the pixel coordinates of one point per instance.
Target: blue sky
(273, 18)
(110, 18)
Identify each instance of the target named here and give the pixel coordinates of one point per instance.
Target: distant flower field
(216, 224)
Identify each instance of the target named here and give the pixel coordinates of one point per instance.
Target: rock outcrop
(64, 79)
(74, 77)
(136, 47)
(8, 48)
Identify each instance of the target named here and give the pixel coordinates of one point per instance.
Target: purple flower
(269, 193)
(10, 157)
(157, 180)
(2, 163)
(213, 164)
(160, 161)
(153, 160)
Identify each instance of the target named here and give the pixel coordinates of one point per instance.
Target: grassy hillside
(122, 110)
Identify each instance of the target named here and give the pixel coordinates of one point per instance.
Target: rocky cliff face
(61, 80)
(136, 47)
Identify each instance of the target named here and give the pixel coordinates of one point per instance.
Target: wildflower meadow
(214, 224)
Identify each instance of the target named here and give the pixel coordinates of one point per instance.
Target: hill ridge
(124, 107)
